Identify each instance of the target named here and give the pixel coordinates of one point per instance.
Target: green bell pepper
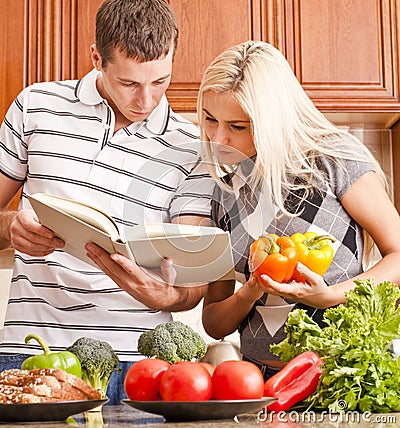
(63, 360)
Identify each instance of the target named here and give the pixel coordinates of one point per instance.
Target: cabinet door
(345, 53)
(11, 52)
(206, 28)
(58, 38)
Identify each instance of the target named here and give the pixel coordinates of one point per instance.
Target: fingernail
(300, 266)
(115, 257)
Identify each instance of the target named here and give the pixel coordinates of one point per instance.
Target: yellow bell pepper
(314, 251)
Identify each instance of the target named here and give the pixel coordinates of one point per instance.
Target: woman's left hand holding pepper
(313, 291)
(251, 290)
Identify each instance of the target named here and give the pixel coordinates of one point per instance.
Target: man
(110, 140)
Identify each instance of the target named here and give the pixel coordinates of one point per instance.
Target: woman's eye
(238, 127)
(210, 119)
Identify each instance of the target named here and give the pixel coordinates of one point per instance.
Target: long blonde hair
(289, 132)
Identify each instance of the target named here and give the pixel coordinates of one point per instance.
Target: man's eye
(159, 82)
(127, 85)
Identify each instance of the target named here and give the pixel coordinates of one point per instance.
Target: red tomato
(237, 380)
(209, 367)
(186, 381)
(142, 381)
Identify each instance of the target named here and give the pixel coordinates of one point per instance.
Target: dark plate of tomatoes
(200, 410)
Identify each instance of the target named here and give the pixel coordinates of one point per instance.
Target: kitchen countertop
(124, 416)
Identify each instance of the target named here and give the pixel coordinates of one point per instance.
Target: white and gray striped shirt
(58, 138)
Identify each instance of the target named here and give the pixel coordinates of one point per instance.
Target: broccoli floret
(157, 343)
(98, 360)
(172, 341)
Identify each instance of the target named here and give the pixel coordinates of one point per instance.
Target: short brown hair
(144, 30)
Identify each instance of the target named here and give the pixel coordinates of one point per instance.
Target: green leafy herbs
(360, 372)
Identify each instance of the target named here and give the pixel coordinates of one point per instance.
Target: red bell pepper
(273, 255)
(295, 382)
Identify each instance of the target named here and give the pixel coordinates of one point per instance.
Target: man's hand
(28, 236)
(153, 288)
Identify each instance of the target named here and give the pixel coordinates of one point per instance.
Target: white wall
(193, 318)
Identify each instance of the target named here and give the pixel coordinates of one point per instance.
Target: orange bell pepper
(314, 251)
(275, 256)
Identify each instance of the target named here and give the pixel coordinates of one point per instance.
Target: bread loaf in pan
(43, 385)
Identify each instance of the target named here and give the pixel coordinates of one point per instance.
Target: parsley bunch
(360, 371)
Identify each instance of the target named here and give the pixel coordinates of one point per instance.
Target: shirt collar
(86, 90)
(157, 122)
(87, 93)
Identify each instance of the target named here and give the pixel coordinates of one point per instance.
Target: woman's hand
(313, 292)
(224, 308)
(251, 291)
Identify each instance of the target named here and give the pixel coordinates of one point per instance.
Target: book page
(75, 232)
(162, 230)
(199, 254)
(86, 213)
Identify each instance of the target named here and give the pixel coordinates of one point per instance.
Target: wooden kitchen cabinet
(344, 52)
(11, 52)
(207, 27)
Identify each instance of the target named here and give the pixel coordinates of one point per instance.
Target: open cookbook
(199, 254)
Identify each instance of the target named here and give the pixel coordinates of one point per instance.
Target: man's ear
(96, 58)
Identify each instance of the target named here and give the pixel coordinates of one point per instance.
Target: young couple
(271, 162)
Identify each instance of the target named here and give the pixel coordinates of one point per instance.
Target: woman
(282, 168)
